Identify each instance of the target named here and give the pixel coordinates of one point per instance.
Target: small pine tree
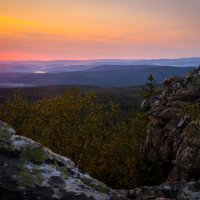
(150, 88)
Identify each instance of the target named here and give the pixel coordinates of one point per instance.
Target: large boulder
(29, 171)
(170, 137)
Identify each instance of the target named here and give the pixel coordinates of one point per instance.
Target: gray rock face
(169, 139)
(168, 191)
(29, 171)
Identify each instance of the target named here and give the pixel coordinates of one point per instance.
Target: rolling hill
(106, 76)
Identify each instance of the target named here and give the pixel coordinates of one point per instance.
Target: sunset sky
(92, 29)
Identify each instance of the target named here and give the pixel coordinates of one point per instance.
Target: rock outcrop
(170, 138)
(168, 191)
(29, 171)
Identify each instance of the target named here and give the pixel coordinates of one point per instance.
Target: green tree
(150, 88)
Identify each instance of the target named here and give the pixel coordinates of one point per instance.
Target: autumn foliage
(94, 135)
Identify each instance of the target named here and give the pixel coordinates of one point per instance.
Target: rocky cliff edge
(172, 137)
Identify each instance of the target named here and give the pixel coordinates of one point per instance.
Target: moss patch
(65, 172)
(6, 146)
(99, 187)
(35, 155)
(30, 178)
(4, 134)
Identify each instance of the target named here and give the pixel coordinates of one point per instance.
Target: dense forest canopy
(101, 132)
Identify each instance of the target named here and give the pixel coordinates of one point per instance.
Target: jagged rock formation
(172, 141)
(169, 140)
(29, 171)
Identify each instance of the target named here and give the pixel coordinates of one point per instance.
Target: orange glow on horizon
(18, 56)
(98, 29)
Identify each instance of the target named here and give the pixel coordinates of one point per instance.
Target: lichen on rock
(35, 155)
(29, 177)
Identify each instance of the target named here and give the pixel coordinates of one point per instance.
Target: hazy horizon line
(99, 59)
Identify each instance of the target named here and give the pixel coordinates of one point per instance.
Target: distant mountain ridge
(119, 67)
(56, 66)
(105, 78)
(102, 72)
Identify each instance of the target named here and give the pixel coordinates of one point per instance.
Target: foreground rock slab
(29, 171)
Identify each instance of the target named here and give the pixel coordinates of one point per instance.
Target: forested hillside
(100, 129)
